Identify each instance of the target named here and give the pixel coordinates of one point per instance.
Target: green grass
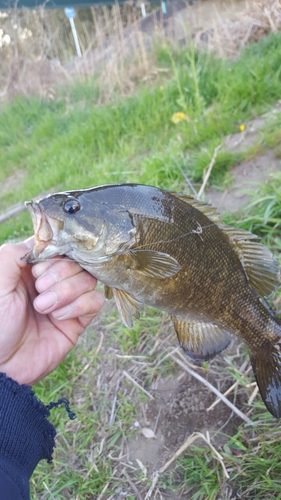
(252, 460)
(263, 215)
(73, 142)
(85, 445)
(77, 141)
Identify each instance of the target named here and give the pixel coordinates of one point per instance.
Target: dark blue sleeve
(26, 437)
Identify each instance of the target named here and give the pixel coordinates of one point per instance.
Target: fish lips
(45, 229)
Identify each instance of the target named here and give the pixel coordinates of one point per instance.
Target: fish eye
(71, 206)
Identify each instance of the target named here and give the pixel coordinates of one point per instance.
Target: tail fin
(267, 370)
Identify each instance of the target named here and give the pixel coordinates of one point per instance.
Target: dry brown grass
(227, 37)
(41, 51)
(117, 44)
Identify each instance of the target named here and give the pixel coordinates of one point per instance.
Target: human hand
(43, 310)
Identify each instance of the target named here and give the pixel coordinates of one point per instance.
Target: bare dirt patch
(179, 407)
(13, 181)
(246, 177)
(179, 410)
(249, 173)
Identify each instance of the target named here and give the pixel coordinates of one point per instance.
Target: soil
(12, 181)
(245, 178)
(179, 410)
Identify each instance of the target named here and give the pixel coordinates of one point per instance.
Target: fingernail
(63, 313)
(46, 300)
(46, 280)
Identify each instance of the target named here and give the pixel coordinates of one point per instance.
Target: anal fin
(201, 340)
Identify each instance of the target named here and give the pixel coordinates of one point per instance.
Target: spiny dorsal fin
(199, 339)
(259, 263)
(210, 211)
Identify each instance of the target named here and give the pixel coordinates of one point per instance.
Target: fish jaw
(46, 230)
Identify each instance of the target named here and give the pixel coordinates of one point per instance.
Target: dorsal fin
(259, 263)
(208, 210)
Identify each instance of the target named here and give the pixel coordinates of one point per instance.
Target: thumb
(12, 262)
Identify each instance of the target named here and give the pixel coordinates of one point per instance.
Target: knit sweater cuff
(26, 434)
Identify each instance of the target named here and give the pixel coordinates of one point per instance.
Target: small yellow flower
(242, 127)
(179, 117)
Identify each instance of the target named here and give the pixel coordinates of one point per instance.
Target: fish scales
(167, 250)
(217, 272)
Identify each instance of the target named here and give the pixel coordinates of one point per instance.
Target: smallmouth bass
(170, 251)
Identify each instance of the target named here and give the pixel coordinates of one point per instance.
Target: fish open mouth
(43, 230)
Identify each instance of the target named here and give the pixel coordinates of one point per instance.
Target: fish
(171, 251)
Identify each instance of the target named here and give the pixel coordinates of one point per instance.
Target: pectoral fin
(153, 264)
(201, 340)
(127, 306)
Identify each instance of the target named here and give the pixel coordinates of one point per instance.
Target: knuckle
(65, 268)
(88, 281)
(68, 289)
(61, 268)
(96, 302)
(89, 304)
